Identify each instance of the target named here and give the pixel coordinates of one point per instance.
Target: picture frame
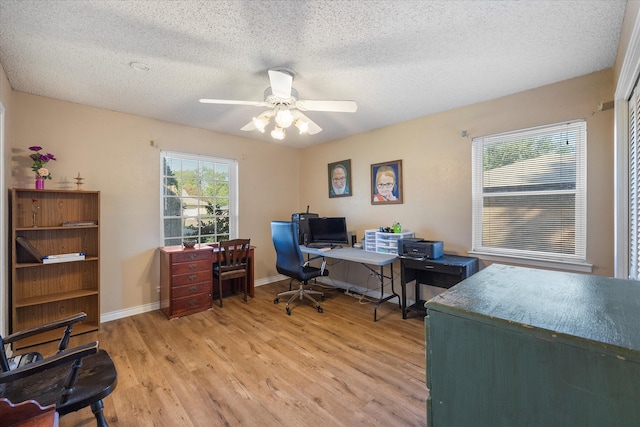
(339, 179)
(386, 183)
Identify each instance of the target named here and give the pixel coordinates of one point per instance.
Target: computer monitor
(328, 232)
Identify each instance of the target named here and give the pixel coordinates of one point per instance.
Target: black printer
(417, 248)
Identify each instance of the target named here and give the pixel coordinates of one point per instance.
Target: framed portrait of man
(340, 179)
(386, 183)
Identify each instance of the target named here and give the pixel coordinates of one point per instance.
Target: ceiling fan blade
(334, 106)
(249, 126)
(280, 83)
(233, 102)
(252, 126)
(313, 127)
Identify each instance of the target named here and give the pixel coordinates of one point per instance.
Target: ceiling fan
(285, 107)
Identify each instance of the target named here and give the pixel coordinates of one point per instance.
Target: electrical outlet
(158, 289)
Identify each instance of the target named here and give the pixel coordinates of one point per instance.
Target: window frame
(575, 261)
(233, 209)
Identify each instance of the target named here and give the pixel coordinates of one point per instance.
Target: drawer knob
(192, 266)
(192, 303)
(193, 256)
(192, 288)
(193, 276)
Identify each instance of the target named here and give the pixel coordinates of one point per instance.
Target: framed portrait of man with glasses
(340, 179)
(386, 183)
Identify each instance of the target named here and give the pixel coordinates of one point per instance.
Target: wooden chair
(27, 414)
(232, 263)
(71, 379)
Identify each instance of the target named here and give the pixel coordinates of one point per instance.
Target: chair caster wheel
(319, 309)
(289, 311)
(277, 300)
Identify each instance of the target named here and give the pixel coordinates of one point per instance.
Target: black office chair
(290, 262)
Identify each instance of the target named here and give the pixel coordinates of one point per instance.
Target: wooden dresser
(185, 280)
(514, 346)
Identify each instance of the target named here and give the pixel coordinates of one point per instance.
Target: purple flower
(39, 160)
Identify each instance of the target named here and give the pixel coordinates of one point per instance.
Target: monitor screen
(328, 231)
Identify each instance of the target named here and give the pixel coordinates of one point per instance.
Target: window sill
(579, 267)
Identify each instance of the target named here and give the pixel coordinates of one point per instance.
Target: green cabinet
(513, 346)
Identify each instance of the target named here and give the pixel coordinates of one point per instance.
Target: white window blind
(634, 182)
(529, 193)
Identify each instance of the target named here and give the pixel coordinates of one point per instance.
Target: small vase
(39, 182)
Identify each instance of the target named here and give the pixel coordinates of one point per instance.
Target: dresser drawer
(190, 267)
(191, 289)
(194, 303)
(194, 255)
(436, 267)
(189, 278)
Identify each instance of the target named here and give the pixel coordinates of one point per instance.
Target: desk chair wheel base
(300, 294)
(318, 307)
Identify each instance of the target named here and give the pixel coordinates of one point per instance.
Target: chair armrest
(61, 358)
(312, 259)
(44, 328)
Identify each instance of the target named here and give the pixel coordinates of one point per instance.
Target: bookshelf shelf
(59, 227)
(40, 292)
(38, 264)
(27, 302)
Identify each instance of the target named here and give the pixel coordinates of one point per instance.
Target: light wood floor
(252, 365)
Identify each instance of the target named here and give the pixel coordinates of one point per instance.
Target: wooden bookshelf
(40, 292)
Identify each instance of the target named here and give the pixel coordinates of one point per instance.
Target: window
(199, 198)
(529, 193)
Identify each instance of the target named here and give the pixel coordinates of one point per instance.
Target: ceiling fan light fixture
(277, 133)
(260, 123)
(303, 126)
(285, 108)
(284, 118)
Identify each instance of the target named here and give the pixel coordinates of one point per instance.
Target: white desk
(365, 258)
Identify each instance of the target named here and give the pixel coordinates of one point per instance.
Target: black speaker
(303, 225)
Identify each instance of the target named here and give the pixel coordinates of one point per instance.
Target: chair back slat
(233, 254)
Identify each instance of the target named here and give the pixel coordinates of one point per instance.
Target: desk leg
(403, 285)
(382, 299)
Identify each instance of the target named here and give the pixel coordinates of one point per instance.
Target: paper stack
(51, 259)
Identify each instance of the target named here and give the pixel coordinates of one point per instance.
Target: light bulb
(260, 123)
(277, 133)
(303, 126)
(284, 118)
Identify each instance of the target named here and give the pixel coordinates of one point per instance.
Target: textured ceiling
(398, 60)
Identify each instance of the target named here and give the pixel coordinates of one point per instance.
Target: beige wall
(113, 152)
(436, 164)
